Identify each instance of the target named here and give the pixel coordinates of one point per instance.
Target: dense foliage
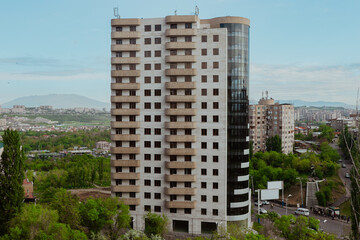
(81, 171)
(11, 178)
(327, 132)
(274, 144)
(350, 145)
(271, 166)
(155, 224)
(58, 141)
(64, 217)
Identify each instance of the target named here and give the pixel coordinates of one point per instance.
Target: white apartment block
(268, 119)
(180, 134)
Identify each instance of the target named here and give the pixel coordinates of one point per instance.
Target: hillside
(57, 101)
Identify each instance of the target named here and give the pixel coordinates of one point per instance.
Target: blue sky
(299, 49)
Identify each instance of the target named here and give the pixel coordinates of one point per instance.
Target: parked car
(263, 211)
(265, 202)
(257, 203)
(343, 165)
(302, 211)
(347, 175)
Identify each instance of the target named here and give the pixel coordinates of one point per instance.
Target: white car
(257, 203)
(302, 211)
(265, 202)
(263, 211)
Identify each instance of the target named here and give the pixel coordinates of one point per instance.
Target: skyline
(298, 50)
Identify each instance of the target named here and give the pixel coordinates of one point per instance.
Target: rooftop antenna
(197, 10)
(267, 94)
(175, 12)
(116, 12)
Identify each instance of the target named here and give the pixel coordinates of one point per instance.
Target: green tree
(350, 145)
(67, 205)
(11, 178)
(274, 144)
(326, 132)
(109, 213)
(37, 222)
(155, 224)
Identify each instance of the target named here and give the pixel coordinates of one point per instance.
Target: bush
(155, 224)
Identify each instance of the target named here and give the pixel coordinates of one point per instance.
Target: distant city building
(48, 107)
(2, 122)
(339, 123)
(18, 109)
(268, 119)
(180, 137)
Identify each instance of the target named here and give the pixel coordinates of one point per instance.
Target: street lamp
(287, 201)
(302, 202)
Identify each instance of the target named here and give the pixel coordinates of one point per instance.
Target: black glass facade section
(238, 113)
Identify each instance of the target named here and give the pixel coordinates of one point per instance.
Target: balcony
(125, 73)
(180, 138)
(180, 151)
(180, 45)
(125, 86)
(125, 124)
(125, 99)
(180, 165)
(180, 98)
(180, 125)
(125, 176)
(130, 201)
(125, 111)
(180, 85)
(180, 112)
(180, 58)
(125, 150)
(180, 191)
(181, 72)
(125, 22)
(125, 137)
(125, 47)
(180, 178)
(125, 163)
(125, 60)
(180, 204)
(181, 32)
(121, 188)
(181, 19)
(125, 35)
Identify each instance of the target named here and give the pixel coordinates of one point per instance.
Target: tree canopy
(11, 178)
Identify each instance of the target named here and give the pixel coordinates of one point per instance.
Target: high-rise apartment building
(180, 135)
(268, 119)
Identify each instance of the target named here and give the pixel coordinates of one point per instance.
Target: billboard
(275, 185)
(269, 194)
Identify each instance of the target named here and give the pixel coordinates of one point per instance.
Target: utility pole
(301, 191)
(287, 202)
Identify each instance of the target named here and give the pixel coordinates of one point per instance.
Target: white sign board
(269, 194)
(275, 185)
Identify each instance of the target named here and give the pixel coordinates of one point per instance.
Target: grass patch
(345, 208)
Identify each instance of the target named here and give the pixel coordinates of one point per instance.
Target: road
(342, 172)
(337, 227)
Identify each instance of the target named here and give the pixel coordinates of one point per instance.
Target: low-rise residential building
(103, 145)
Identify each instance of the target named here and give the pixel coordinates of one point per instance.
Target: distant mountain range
(74, 100)
(57, 101)
(300, 103)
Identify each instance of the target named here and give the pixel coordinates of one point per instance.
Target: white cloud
(310, 83)
(55, 76)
